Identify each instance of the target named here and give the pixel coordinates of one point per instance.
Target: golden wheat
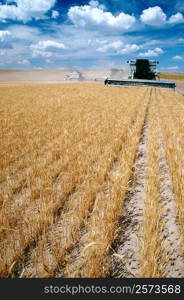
(83, 199)
(67, 152)
(103, 223)
(172, 122)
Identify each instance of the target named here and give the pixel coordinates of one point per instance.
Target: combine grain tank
(143, 73)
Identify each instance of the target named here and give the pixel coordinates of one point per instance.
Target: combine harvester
(143, 73)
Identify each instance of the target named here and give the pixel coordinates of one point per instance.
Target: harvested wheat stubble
(67, 159)
(126, 249)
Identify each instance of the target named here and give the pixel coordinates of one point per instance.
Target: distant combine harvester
(75, 75)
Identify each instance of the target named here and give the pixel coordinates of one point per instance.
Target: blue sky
(56, 34)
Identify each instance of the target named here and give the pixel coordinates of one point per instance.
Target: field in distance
(91, 181)
(172, 75)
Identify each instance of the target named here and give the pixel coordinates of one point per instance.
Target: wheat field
(91, 181)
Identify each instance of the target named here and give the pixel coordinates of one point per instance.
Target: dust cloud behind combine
(119, 74)
(60, 75)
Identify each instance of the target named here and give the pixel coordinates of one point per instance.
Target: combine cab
(143, 73)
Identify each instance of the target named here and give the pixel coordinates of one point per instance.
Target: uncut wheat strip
(175, 107)
(173, 95)
(174, 115)
(175, 140)
(153, 257)
(176, 118)
(93, 260)
(64, 233)
(175, 158)
(170, 233)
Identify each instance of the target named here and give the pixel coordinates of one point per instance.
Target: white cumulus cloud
(25, 10)
(177, 18)
(93, 15)
(111, 46)
(154, 52)
(46, 48)
(129, 48)
(119, 47)
(42, 45)
(153, 16)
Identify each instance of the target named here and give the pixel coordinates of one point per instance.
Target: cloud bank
(155, 16)
(94, 15)
(25, 10)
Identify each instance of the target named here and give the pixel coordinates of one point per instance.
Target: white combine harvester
(143, 73)
(74, 76)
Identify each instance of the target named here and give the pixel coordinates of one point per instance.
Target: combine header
(143, 73)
